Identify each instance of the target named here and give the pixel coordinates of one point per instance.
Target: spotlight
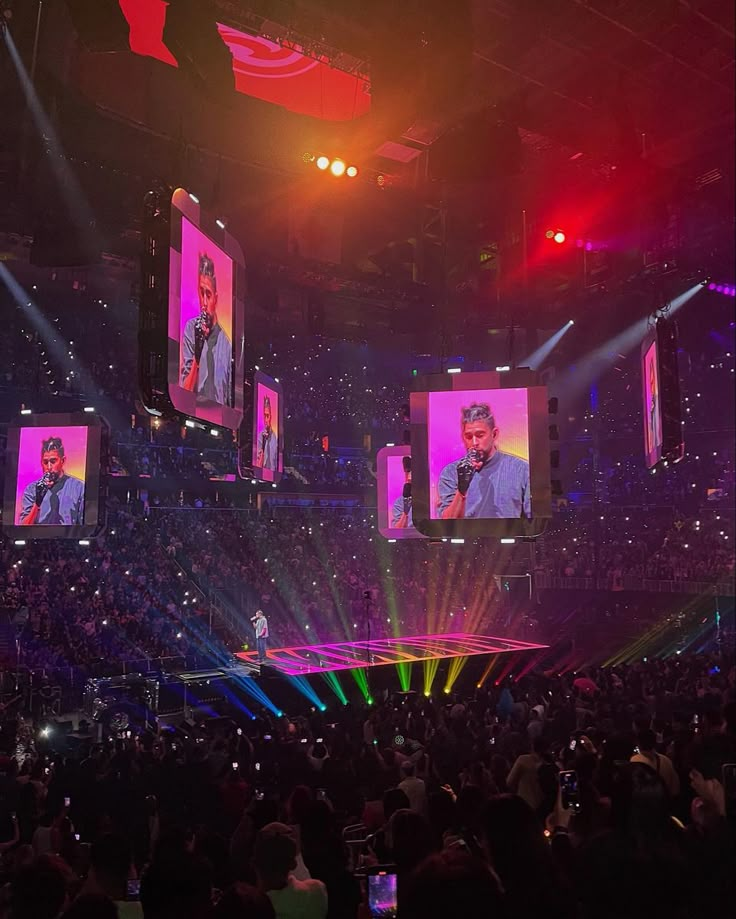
(559, 237)
(351, 172)
(337, 167)
(549, 234)
(323, 162)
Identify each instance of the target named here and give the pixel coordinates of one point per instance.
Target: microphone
(47, 480)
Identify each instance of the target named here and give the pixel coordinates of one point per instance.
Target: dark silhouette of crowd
(459, 795)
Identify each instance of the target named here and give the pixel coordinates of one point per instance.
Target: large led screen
(652, 399)
(481, 461)
(267, 446)
(52, 481)
(395, 501)
(205, 319)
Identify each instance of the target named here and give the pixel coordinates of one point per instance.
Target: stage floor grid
(347, 655)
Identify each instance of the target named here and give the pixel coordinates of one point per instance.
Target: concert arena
(367, 459)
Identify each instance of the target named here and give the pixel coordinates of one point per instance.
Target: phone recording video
(67, 802)
(133, 889)
(569, 790)
(382, 893)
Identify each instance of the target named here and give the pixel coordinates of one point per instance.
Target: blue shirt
(499, 489)
(397, 510)
(62, 505)
(215, 364)
(269, 443)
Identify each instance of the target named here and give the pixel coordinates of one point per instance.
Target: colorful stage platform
(348, 655)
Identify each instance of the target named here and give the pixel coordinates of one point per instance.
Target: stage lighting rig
(336, 166)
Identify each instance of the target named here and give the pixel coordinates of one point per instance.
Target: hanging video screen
(206, 316)
(267, 447)
(52, 477)
(481, 461)
(395, 510)
(651, 394)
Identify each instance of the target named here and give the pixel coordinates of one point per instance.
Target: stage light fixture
(323, 162)
(559, 237)
(351, 172)
(337, 167)
(549, 234)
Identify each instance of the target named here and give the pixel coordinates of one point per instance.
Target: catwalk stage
(347, 655)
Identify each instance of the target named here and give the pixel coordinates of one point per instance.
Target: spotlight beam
(538, 357)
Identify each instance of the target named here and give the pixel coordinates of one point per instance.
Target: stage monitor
(395, 511)
(480, 448)
(661, 406)
(267, 441)
(52, 477)
(191, 327)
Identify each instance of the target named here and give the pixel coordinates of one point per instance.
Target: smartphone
(67, 802)
(239, 732)
(569, 790)
(573, 744)
(729, 788)
(235, 767)
(76, 836)
(259, 794)
(267, 737)
(319, 740)
(382, 892)
(133, 890)
(321, 794)
(303, 740)
(258, 767)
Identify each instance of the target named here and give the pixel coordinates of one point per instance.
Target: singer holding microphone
(268, 444)
(485, 482)
(206, 350)
(56, 498)
(260, 624)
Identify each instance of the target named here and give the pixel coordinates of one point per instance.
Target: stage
(348, 655)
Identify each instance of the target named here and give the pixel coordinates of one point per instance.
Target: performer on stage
(260, 623)
(485, 482)
(56, 498)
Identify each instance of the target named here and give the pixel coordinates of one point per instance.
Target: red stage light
(323, 162)
(549, 234)
(559, 237)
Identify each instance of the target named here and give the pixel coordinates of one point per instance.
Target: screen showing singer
(652, 404)
(267, 446)
(51, 477)
(488, 475)
(206, 318)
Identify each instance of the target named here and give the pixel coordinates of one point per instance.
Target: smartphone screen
(67, 802)
(382, 899)
(133, 891)
(569, 789)
(729, 788)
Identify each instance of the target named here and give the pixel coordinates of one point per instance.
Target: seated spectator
(662, 765)
(274, 858)
(92, 906)
(451, 883)
(38, 891)
(414, 788)
(110, 869)
(176, 886)
(243, 902)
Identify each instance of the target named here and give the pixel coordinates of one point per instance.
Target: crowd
(604, 793)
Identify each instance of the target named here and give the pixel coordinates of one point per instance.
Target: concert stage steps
(348, 655)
